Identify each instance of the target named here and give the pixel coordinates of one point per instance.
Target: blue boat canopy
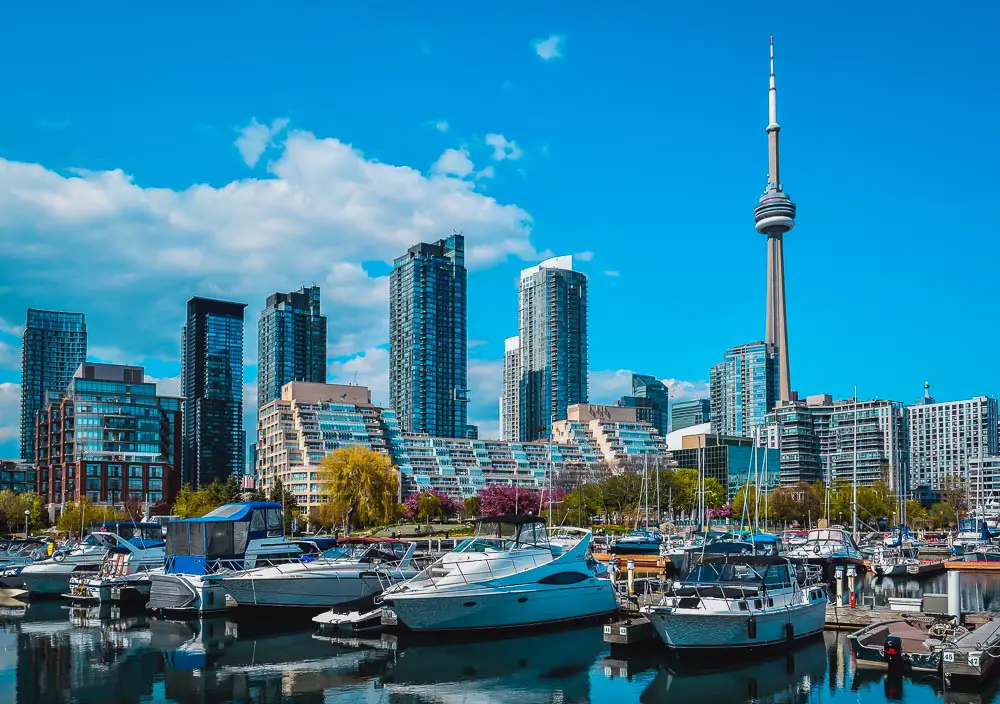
(223, 534)
(239, 511)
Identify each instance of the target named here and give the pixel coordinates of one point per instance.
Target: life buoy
(59, 556)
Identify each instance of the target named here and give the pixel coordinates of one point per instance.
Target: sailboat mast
(854, 490)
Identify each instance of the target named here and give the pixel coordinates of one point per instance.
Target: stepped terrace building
(611, 435)
(108, 437)
(308, 422)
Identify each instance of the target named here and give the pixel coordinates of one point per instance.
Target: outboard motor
(892, 652)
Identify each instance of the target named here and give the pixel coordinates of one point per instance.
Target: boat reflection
(777, 678)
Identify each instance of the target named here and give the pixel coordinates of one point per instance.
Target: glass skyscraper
(744, 387)
(684, 414)
(54, 345)
(212, 386)
(651, 399)
(428, 365)
(553, 343)
(291, 342)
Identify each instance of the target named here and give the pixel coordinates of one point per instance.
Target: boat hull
(722, 630)
(517, 606)
(303, 590)
(191, 594)
(52, 579)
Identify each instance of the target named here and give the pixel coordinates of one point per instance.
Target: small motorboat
(830, 548)
(51, 576)
(741, 602)
(909, 644)
(115, 581)
(887, 562)
(348, 575)
(202, 551)
(638, 542)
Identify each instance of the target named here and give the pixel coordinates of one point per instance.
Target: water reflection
(51, 653)
(980, 592)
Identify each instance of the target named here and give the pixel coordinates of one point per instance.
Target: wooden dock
(972, 566)
(972, 657)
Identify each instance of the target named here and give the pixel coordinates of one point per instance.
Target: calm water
(50, 653)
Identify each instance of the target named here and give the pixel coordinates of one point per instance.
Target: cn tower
(775, 215)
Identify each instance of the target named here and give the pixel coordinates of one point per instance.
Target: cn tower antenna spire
(774, 216)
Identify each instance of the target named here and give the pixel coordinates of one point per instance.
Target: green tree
(280, 495)
(470, 507)
(916, 514)
(77, 516)
(362, 483)
(943, 515)
(12, 508)
(192, 503)
(429, 506)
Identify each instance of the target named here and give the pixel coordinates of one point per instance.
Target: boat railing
(477, 571)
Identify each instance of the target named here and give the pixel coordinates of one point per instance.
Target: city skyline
(133, 316)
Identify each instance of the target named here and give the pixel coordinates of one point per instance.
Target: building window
(114, 484)
(93, 470)
(135, 470)
(93, 496)
(154, 496)
(156, 484)
(93, 484)
(114, 470)
(135, 483)
(155, 471)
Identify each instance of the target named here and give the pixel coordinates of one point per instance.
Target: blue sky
(236, 150)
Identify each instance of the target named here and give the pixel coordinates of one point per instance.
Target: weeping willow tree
(360, 484)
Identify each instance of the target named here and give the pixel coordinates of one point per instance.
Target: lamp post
(27, 514)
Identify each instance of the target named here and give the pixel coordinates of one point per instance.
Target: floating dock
(972, 657)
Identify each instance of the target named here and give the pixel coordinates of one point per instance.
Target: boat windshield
(773, 575)
(367, 552)
(507, 534)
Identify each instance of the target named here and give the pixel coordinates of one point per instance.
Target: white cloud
(485, 387)
(166, 386)
(485, 173)
(10, 419)
(454, 162)
(549, 48)
(441, 125)
(9, 328)
(369, 368)
(614, 274)
(256, 137)
(503, 148)
(681, 390)
(322, 211)
(607, 386)
(583, 256)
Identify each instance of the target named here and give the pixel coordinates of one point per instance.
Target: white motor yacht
(508, 575)
(350, 574)
(201, 552)
(741, 602)
(51, 576)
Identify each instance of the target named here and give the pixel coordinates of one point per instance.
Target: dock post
(631, 577)
(838, 586)
(851, 573)
(955, 595)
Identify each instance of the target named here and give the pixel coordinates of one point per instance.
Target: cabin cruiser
(829, 548)
(201, 552)
(638, 542)
(51, 576)
(972, 535)
(352, 573)
(741, 602)
(887, 562)
(683, 557)
(508, 575)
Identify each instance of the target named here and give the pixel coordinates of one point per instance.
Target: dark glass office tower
(54, 345)
(291, 342)
(651, 399)
(212, 385)
(428, 361)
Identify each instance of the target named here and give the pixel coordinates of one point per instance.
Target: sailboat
(644, 541)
